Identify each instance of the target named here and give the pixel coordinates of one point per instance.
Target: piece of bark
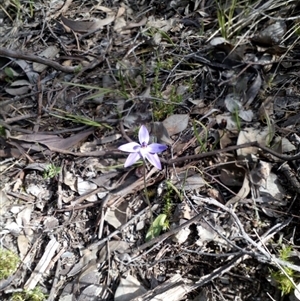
(42, 265)
(173, 289)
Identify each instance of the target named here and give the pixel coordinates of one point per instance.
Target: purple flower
(143, 150)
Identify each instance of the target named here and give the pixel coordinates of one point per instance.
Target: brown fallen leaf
(36, 141)
(86, 26)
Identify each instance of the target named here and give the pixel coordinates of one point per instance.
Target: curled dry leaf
(271, 35)
(23, 245)
(84, 187)
(207, 234)
(161, 24)
(181, 236)
(243, 192)
(232, 175)
(273, 187)
(253, 90)
(260, 173)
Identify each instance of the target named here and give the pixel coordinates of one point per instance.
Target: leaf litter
(202, 77)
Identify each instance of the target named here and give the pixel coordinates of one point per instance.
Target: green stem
(146, 194)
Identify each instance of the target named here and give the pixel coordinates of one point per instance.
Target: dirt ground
(206, 207)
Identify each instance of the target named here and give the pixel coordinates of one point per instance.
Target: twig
(53, 290)
(40, 106)
(99, 244)
(265, 255)
(164, 236)
(34, 58)
(231, 148)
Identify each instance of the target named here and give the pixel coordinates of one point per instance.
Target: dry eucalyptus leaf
(262, 136)
(113, 245)
(188, 180)
(243, 192)
(20, 82)
(271, 35)
(23, 219)
(260, 173)
(17, 91)
(273, 187)
(218, 41)
(176, 123)
(86, 26)
(37, 166)
(287, 146)
(84, 187)
(181, 236)
(23, 245)
(160, 132)
(87, 256)
(269, 205)
(232, 175)
(128, 289)
(117, 216)
(70, 180)
(89, 275)
(253, 90)
(49, 53)
(119, 24)
(51, 223)
(105, 179)
(161, 24)
(246, 115)
(194, 182)
(197, 102)
(233, 102)
(207, 234)
(12, 228)
(26, 67)
(133, 120)
(36, 140)
(4, 203)
(91, 293)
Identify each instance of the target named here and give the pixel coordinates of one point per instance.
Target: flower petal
(131, 147)
(153, 159)
(143, 135)
(156, 148)
(131, 159)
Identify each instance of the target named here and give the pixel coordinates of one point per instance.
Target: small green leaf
(9, 72)
(51, 171)
(156, 227)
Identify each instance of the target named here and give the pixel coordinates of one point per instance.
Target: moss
(8, 263)
(32, 295)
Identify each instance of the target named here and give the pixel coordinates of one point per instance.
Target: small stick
(34, 58)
